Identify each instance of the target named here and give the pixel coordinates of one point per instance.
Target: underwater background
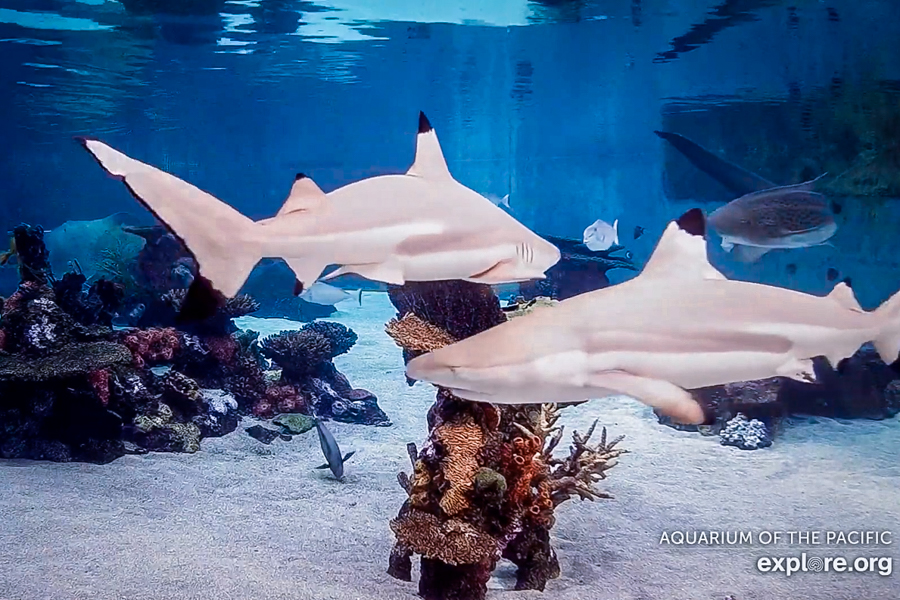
(552, 102)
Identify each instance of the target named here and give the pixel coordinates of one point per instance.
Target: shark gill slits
(832, 274)
(693, 222)
(424, 124)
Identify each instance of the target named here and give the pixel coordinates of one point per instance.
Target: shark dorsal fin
(305, 196)
(681, 251)
(429, 163)
(843, 295)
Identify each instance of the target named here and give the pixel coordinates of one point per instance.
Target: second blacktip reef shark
(679, 325)
(419, 226)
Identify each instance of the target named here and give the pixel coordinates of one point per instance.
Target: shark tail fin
(888, 342)
(221, 239)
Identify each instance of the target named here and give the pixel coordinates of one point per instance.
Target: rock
(745, 434)
(295, 424)
(857, 389)
(220, 416)
(263, 434)
(755, 399)
(73, 359)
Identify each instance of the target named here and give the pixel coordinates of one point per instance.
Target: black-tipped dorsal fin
(843, 295)
(305, 196)
(681, 251)
(429, 163)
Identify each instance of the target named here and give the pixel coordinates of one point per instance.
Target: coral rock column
(485, 485)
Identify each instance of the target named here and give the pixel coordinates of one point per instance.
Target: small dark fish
(331, 451)
(832, 274)
(638, 231)
(791, 269)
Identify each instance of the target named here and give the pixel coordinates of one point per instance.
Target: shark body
(679, 325)
(419, 226)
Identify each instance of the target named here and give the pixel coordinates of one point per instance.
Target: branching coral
(585, 465)
(340, 337)
(235, 307)
(297, 352)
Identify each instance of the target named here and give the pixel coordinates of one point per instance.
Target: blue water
(554, 103)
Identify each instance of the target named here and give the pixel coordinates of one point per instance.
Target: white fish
(325, 294)
(678, 326)
(600, 235)
(420, 226)
(498, 201)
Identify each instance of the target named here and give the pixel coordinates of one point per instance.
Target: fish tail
(888, 342)
(224, 243)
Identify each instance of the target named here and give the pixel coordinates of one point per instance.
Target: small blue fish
(600, 235)
(638, 231)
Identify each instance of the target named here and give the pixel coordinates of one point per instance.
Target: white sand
(241, 520)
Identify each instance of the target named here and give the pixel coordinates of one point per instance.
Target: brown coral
(453, 542)
(412, 333)
(585, 465)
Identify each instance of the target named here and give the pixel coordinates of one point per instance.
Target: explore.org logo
(883, 565)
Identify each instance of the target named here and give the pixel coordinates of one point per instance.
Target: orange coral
(462, 443)
(412, 333)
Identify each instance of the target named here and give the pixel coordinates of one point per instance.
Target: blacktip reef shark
(766, 216)
(679, 325)
(419, 226)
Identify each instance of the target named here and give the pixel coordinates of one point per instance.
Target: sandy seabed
(245, 521)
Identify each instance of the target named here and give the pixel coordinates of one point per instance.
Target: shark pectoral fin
(430, 162)
(798, 369)
(748, 254)
(325, 466)
(843, 295)
(667, 398)
(386, 272)
(505, 271)
(305, 196)
(348, 455)
(306, 271)
(727, 246)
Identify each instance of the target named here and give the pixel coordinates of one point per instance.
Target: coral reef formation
(486, 484)
(73, 387)
(310, 381)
